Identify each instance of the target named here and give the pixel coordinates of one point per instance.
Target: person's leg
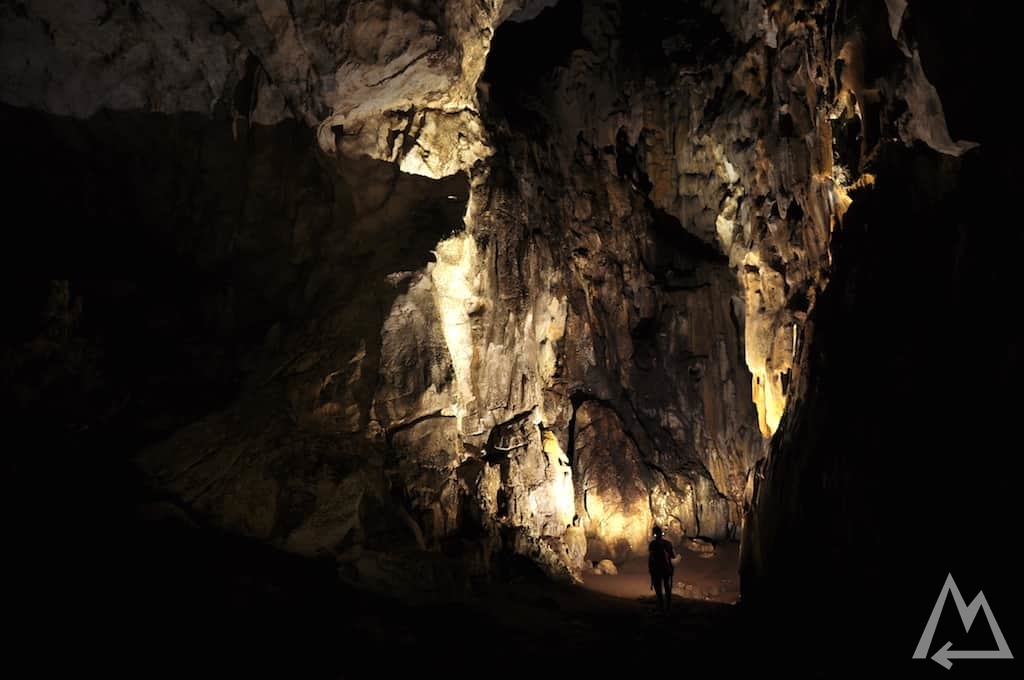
(656, 581)
(668, 590)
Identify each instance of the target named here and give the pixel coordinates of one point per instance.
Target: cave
(379, 334)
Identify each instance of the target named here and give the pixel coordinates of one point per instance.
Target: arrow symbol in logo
(944, 655)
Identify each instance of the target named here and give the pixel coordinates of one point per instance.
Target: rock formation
(430, 287)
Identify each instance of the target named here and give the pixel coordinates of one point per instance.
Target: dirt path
(711, 579)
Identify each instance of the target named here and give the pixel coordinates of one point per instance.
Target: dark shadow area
(900, 449)
(899, 455)
(157, 267)
(524, 54)
(987, 40)
(159, 262)
(675, 256)
(657, 34)
(193, 601)
(175, 247)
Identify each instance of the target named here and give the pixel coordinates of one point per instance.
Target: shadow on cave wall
(898, 453)
(155, 264)
(522, 58)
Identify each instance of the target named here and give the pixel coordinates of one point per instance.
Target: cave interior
(361, 332)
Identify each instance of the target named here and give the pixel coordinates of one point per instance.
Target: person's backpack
(660, 559)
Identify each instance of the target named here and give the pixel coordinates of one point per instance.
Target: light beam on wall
(454, 275)
(559, 477)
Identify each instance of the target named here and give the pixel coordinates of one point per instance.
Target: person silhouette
(661, 567)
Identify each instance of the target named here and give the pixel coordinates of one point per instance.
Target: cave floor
(711, 578)
(176, 605)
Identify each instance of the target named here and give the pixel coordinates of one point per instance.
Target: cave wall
(887, 459)
(416, 359)
(198, 276)
(466, 282)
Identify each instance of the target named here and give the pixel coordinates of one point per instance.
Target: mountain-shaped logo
(967, 614)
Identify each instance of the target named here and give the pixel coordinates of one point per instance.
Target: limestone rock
(447, 303)
(575, 541)
(702, 546)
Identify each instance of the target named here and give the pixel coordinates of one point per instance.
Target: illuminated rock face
(385, 79)
(511, 280)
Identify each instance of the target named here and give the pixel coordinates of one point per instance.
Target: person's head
(656, 531)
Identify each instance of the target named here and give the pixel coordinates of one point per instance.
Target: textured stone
(491, 293)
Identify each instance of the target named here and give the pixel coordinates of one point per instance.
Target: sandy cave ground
(711, 578)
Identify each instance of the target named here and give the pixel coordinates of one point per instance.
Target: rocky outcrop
(378, 78)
